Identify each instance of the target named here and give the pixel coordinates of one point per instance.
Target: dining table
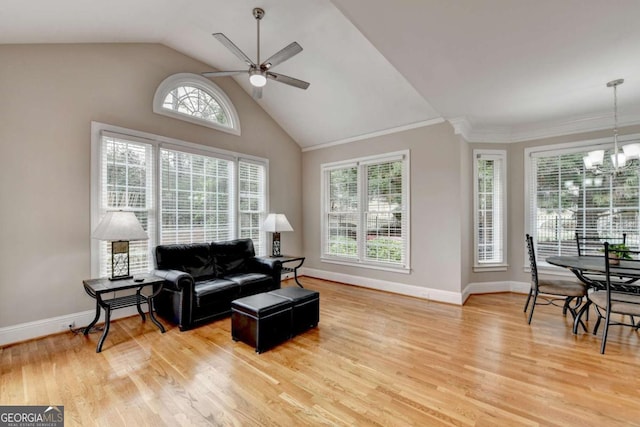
(591, 270)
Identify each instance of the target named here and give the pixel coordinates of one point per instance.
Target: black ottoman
(306, 307)
(261, 320)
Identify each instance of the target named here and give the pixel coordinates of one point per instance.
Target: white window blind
(196, 198)
(251, 195)
(366, 205)
(565, 198)
(342, 213)
(490, 207)
(126, 183)
(386, 212)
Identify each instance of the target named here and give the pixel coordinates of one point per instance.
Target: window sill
(355, 263)
(490, 267)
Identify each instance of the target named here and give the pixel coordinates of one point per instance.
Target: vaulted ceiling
(498, 70)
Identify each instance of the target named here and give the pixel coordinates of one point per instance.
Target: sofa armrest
(269, 266)
(175, 279)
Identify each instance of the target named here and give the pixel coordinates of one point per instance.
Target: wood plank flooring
(375, 359)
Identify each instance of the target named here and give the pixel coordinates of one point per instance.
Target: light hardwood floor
(375, 359)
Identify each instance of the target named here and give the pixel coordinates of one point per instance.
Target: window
(490, 171)
(125, 180)
(564, 197)
(180, 192)
(252, 183)
(365, 212)
(197, 100)
(196, 197)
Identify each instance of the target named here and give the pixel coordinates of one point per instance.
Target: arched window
(198, 100)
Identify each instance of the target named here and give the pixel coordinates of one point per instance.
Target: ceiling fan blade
(223, 73)
(233, 48)
(282, 55)
(257, 92)
(288, 80)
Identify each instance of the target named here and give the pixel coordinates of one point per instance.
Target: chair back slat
(593, 244)
(618, 262)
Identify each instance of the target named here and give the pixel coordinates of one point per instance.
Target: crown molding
(376, 133)
(477, 133)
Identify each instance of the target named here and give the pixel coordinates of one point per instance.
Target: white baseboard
(54, 325)
(449, 297)
(384, 285)
(494, 287)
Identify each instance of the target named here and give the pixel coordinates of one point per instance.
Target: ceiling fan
(260, 72)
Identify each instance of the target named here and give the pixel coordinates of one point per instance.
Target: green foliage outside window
(385, 249)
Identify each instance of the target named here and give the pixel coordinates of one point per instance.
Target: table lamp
(275, 223)
(119, 227)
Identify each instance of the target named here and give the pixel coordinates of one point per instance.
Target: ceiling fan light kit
(259, 72)
(257, 78)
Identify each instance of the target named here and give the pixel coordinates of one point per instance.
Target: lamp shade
(276, 223)
(119, 225)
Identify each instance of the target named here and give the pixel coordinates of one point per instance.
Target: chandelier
(594, 161)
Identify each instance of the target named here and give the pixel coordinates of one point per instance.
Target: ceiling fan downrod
(258, 14)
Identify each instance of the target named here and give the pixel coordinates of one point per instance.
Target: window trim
(157, 142)
(490, 266)
(403, 155)
(182, 79)
(557, 149)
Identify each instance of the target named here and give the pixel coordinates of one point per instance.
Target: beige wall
(50, 95)
(466, 210)
(435, 205)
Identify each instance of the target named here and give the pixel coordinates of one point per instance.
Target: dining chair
(592, 245)
(552, 291)
(614, 299)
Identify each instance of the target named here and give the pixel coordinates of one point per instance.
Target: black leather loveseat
(201, 279)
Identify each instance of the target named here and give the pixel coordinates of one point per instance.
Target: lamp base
(120, 260)
(275, 247)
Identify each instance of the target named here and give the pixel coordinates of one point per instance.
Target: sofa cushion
(215, 291)
(231, 257)
(195, 259)
(251, 283)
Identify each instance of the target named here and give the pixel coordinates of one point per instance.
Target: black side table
(97, 287)
(286, 259)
